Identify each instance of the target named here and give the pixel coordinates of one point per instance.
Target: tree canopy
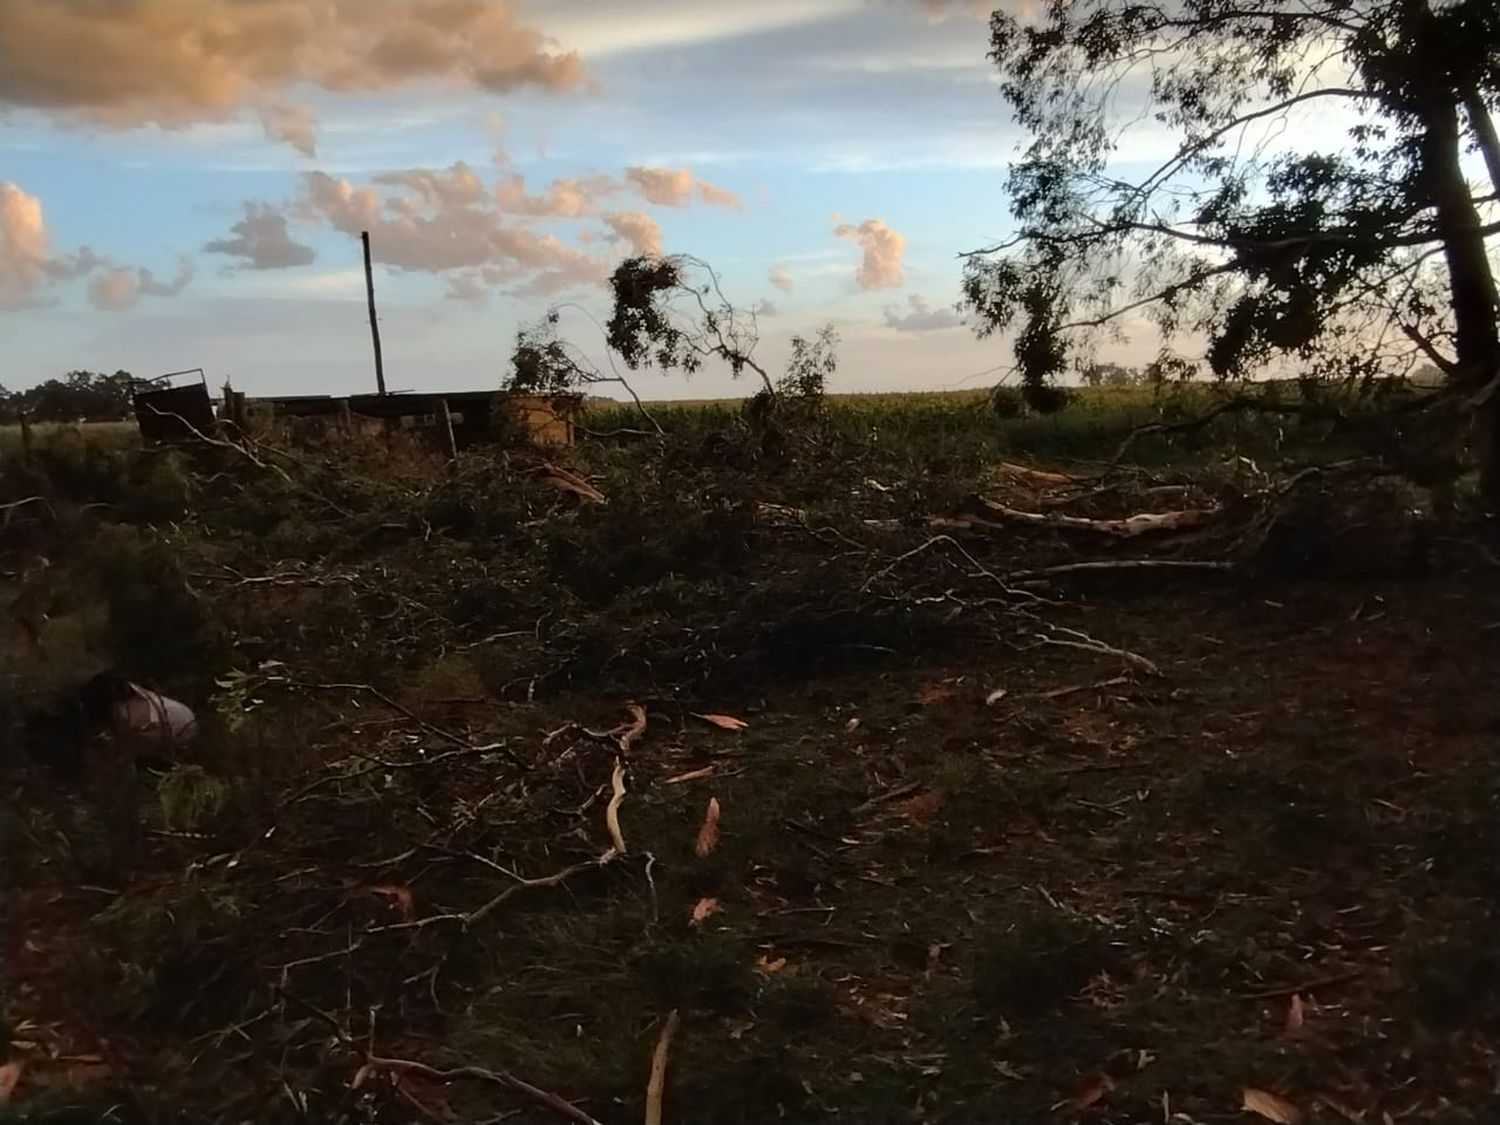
(1367, 259)
(87, 396)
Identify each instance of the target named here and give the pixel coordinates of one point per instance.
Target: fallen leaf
(851, 726)
(708, 833)
(703, 908)
(929, 694)
(691, 775)
(723, 722)
(400, 897)
(996, 696)
(768, 965)
(10, 1074)
(921, 808)
(1269, 1106)
(1294, 1015)
(1092, 1089)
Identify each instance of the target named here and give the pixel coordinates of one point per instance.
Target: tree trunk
(1470, 279)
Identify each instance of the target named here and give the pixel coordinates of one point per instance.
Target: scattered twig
(1058, 693)
(1087, 643)
(503, 1078)
(612, 810)
(436, 731)
(1119, 564)
(657, 1082)
(1306, 986)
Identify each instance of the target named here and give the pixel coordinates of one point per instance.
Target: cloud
(458, 185)
(567, 198)
(469, 288)
(636, 228)
(766, 307)
(178, 62)
(120, 288)
(28, 272)
(436, 223)
(716, 196)
(24, 265)
(297, 125)
(880, 267)
(780, 277)
(921, 317)
(668, 188)
(262, 240)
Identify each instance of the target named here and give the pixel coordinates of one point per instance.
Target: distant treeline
(79, 396)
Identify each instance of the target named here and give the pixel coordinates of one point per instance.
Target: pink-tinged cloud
(435, 223)
(120, 289)
(667, 187)
(780, 277)
(262, 242)
(880, 267)
(176, 62)
(24, 269)
(28, 271)
(567, 198)
(637, 229)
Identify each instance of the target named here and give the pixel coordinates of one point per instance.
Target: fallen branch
(1119, 564)
(1237, 405)
(554, 1102)
(222, 443)
(521, 884)
(1042, 475)
(1306, 986)
(1128, 528)
(612, 811)
(436, 731)
(979, 568)
(1086, 643)
(657, 1082)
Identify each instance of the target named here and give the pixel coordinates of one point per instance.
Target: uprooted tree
(1353, 263)
(671, 313)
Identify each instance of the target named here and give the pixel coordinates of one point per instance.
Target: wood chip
(723, 722)
(1270, 1106)
(691, 775)
(1295, 1016)
(656, 1084)
(703, 908)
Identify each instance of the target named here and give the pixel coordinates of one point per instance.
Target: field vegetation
(992, 840)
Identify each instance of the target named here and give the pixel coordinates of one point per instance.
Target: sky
(183, 182)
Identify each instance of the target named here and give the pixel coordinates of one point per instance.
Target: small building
(477, 416)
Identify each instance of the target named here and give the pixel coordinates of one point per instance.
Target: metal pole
(364, 238)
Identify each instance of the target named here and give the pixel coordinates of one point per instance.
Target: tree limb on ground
(1143, 524)
(554, 1102)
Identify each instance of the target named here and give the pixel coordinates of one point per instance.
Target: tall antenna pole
(364, 238)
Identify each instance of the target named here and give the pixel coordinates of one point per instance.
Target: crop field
(887, 760)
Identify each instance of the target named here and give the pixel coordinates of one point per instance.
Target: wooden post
(445, 430)
(346, 416)
(364, 238)
(25, 435)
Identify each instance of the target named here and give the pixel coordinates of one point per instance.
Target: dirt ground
(1267, 868)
